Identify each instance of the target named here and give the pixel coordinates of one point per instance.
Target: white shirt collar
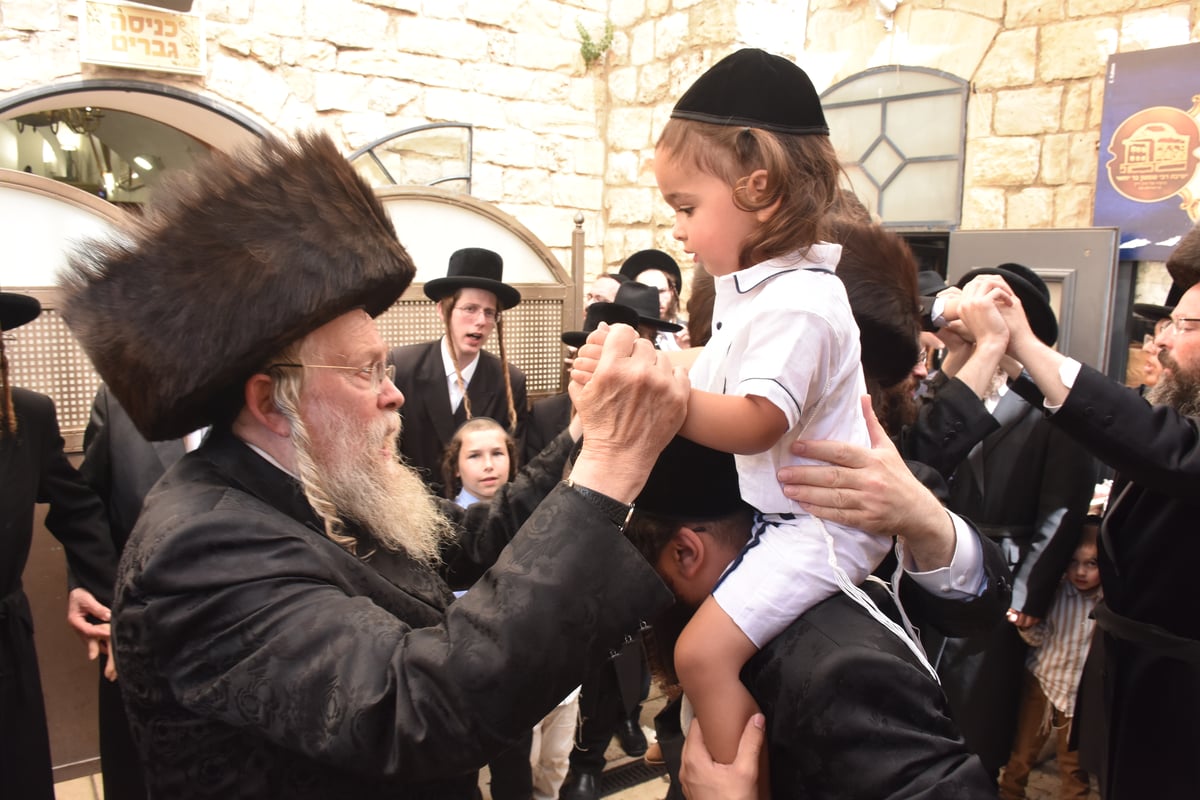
(822, 255)
(453, 389)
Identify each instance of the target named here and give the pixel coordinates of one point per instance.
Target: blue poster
(1148, 181)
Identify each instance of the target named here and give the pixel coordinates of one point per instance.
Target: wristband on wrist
(617, 512)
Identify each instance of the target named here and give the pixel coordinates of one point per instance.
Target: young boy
(1059, 646)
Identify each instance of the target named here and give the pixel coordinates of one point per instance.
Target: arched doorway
(115, 138)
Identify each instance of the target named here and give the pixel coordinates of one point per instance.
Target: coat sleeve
(266, 638)
(960, 618)
(487, 526)
(1150, 445)
(76, 516)
(947, 428)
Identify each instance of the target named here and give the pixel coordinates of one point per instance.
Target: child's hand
(1021, 620)
(588, 356)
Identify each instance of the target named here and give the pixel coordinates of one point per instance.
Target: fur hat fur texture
(233, 262)
(1184, 262)
(880, 275)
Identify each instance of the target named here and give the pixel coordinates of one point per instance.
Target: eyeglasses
(375, 373)
(472, 310)
(1181, 324)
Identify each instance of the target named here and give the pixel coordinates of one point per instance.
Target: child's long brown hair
(802, 176)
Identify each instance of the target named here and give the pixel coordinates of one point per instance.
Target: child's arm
(733, 424)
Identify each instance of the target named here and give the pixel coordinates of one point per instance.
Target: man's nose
(389, 396)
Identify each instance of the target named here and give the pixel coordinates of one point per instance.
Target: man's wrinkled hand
(705, 779)
(871, 489)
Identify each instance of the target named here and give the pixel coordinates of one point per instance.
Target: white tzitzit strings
(907, 634)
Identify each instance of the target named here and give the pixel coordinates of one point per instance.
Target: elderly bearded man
(1140, 695)
(280, 627)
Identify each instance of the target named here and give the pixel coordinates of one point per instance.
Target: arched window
(900, 134)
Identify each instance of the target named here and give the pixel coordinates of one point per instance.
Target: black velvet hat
(644, 300)
(1153, 313)
(1031, 289)
(691, 482)
(612, 313)
(755, 89)
(474, 268)
(17, 309)
(643, 260)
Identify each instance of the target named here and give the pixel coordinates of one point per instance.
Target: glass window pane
(862, 187)
(924, 192)
(926, 126)
(854, 129)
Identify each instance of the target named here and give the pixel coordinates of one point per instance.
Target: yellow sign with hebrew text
(138, 37)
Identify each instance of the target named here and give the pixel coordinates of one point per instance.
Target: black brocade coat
(428, 421)
(261, 660)
(851, 713)
(34, 469)
(1148, 707)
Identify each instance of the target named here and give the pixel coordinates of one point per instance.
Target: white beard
(358, 470)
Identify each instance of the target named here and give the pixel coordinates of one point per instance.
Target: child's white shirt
(783, 330)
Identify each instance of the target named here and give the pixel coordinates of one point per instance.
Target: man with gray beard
(281, 625)
(1138, 714)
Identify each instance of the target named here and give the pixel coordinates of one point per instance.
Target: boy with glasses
(452, 379)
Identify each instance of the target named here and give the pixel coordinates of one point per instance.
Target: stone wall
(555, 136)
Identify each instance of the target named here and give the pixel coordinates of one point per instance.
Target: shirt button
(718, 326)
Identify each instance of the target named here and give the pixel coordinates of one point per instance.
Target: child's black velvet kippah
(758, 90)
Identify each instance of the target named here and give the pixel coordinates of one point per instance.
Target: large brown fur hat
(247, 254)
(880, 275)
(1184, 261)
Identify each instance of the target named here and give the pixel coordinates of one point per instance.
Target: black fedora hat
(643, 299)
(930, 282)
(755, 89)
(598, 312)
(643, 260)
(474, 268)
(1153, 312)
(17, 309)
(1032, 291)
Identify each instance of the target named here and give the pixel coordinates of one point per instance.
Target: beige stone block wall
(554, 137)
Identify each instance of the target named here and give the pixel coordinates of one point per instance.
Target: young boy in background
(1059, 646)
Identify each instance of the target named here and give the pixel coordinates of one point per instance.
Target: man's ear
(260, 403)
(688, 551)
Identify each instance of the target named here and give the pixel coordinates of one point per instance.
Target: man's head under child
(747, 164)
(1083, 571)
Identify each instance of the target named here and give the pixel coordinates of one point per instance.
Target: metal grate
(531, 332)
(43, 356)
(636, 772)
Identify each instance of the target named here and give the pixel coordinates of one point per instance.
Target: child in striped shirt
(1058, 647)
